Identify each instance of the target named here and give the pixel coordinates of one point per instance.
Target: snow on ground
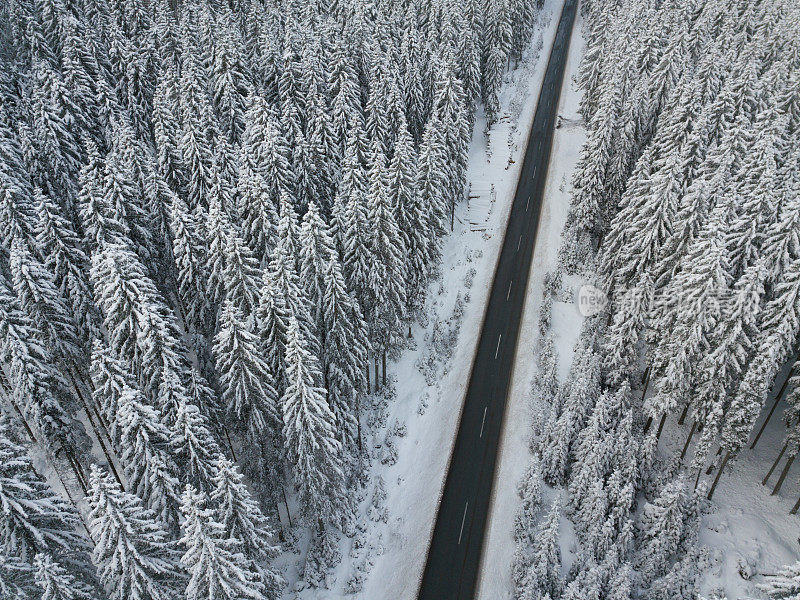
(498, 550)
(430, 377)
(748, 532)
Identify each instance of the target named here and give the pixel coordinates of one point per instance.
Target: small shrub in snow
(389, 450)
(400, 430)
(423, 403)
(377, 509)
(545, 315)
(322, 557)
(361, 569)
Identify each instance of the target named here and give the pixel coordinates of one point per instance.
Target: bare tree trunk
(784, 473)
(384, 367)
(368, 382)
(795, 507)
(358, 425)
(714, 461)
(286, 502)
(228, 437)
(79, 475)
(646, 385)
(719, 474)
(772, 410)
(775, 464)
(376, 373)
(683, 414)
(688, 440)
(22, 418)
(647, 424)
(661, 425)
(98, 434)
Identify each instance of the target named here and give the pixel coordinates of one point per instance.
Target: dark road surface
(454, 554)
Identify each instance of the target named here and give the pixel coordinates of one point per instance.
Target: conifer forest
(223, 223)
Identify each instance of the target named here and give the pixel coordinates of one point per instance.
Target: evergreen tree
(386, 293)
(543, 577)
(242, 519)
(35, 518)
(57, 583)
(241, 275)
(133, 555)
(272, 316)
(345, 351)
(410, 214)
(309, 431)
(39, 298)
(316, 250)
(191, 261)
(248, 391)
(110, 377)
(216, 570)
(65, 259)
(784, 584)
(142, 443)
(193, 444)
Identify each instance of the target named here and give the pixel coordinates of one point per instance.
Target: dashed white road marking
(462, 523)
(508, 293)
(483, 421)
(496, 350)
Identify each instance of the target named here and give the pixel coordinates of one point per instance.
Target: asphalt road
(454, 554)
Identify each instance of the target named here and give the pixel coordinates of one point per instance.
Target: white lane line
(534, 170)
(462, 523)
(526, 203)
(508, 293)
(519, 241)
(496, 350)
(484, 421)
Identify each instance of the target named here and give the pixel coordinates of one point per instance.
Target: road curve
(454, 553)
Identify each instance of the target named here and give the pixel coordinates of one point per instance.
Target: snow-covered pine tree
(543, 577)
(345, 352)
(134, 557)
(386, 299)
(193, 444)
(562, 431)
(316, 249)
(110, 376)
(662, 528)
(785, 584)
(142, 443)
(410, 214)
(432, 181)
(248, 391)
(38, 296)
(64, 258)
(216, 569)
(242, 519)
(57, 583)
(36, 519)
(191, 261)
(241, 275)
(311, 438)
